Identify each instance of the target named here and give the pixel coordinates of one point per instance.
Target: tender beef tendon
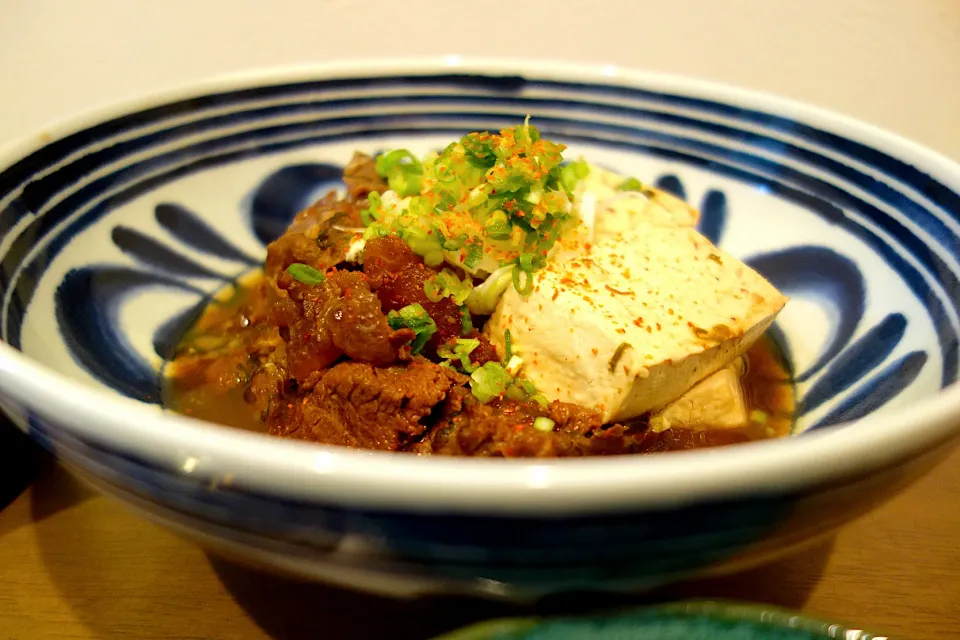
(340, 316)
(361, 177)
(504, 428)
(319, 236)
(359, 405)
(398, 275)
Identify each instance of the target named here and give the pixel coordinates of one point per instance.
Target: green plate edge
(726, 610)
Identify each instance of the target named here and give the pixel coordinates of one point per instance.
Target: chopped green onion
(497, 226)
(540, 399)
(369, 215)
(460, 345)
(461, 350)
(489, 381)
(450, 244)
(513, 392)
(416, 318)
(573, 173)
(447, 284)
(306, 274)
(513, 365)
(433, 290)
(526, 386)
(507, 345)
(466, 322)
(544, 424)
(527, 287)
(402, 171)
(631, 184)
(474, 254)
(484, 297)
(506, 188)
(478, 150)
(758, 416)
(433, 258)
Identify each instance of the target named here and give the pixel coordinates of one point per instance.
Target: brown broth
(208, 376)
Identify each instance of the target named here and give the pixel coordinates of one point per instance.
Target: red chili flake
(638, 321)
(621, 330)
(346, 292)
(617, 292)
(595, 351)
(649, 329)
(518, 427)
(670, 311)
(588, 299)
(658, 326)
(555, 294)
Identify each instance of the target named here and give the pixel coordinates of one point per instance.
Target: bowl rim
(310, 472)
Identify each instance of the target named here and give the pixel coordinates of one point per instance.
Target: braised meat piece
(339, 316)
(361, 177)
(504, 428)
(319, 236)
(359, 405)
(398, 275)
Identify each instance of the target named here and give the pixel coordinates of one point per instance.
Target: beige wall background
(894, 63)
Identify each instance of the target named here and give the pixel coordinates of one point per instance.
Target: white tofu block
(633, 321)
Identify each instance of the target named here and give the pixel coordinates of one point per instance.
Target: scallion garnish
(416, 318)
(507, 345)
(630, 184)
(544, 424)
(466, 322)
(446, 284)
(572, 173)
(460, 350)
(402, 171)
(489, 381)
(474, 254)
(526, 287)
(486, 197)
(306, 274)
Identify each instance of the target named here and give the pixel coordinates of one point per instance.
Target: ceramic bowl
(686, 620)
(117, 224)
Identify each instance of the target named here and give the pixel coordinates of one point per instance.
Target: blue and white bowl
(118, 224)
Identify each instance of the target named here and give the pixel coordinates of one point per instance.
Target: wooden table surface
(75, 565)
